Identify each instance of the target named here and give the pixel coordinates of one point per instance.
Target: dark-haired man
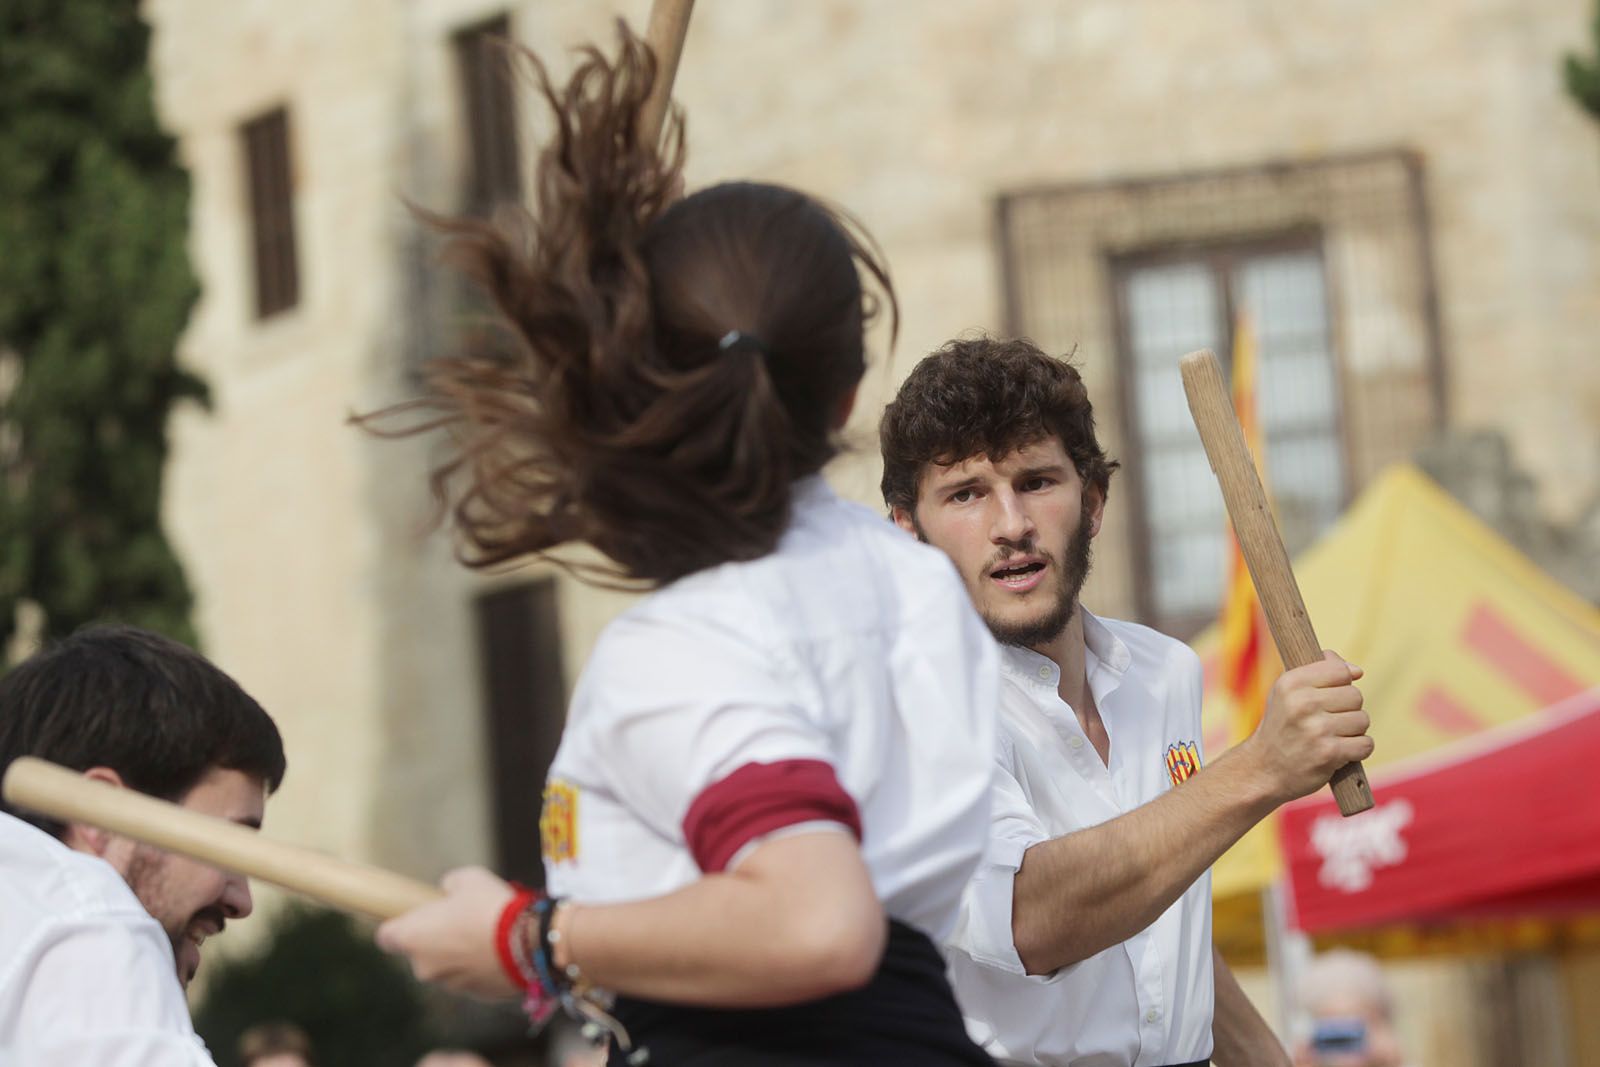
(99, 934)
(1085, 937)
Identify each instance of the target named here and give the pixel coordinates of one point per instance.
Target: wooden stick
(669, 25)
(62, 794)
(1259, 540)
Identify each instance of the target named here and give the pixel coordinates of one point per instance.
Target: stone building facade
(1398, 198)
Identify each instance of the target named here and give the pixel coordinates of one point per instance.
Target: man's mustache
(1021, 548)
(211, 917)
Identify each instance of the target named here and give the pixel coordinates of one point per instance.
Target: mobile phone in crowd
(1339, 1037)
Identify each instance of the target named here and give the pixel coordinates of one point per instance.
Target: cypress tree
(95, 288)
(1583, 74)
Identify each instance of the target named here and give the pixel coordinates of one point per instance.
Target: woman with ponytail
(772, 786)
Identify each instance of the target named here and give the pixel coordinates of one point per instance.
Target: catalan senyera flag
(1248, 659)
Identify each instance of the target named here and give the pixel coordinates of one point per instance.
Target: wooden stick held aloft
(669, 25)
(1259, 540)
(62, 794)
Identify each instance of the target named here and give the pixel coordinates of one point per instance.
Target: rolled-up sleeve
(983, 930)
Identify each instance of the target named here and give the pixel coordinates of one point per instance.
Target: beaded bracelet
(570, 976)
(524, 940)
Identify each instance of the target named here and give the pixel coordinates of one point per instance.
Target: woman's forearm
(796, 921)
(775, 931)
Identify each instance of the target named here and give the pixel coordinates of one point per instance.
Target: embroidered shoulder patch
(1183, 759)
(558, 822)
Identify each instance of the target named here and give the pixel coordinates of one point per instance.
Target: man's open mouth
(1021, 573)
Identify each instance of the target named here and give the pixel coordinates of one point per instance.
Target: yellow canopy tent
(1457, 632)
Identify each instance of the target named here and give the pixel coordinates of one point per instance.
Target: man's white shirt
(86, 975)
(1147, 1001)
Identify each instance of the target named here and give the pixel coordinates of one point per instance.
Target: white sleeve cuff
(983, 931)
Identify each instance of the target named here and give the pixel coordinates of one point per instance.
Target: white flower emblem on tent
(1352, 849)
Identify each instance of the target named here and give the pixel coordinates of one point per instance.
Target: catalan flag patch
(558, 822)
(1183, 759)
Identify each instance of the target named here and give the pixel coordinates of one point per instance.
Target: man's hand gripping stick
(1259, 541)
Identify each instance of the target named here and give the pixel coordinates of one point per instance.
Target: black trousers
(906, 1015)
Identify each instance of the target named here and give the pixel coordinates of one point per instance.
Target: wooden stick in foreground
(61, 794)
(1259, 540)
(669, 25)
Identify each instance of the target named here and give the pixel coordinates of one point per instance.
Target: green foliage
(1583, 75)
(322, 973)
(95, 287)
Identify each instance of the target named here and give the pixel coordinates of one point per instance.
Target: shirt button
(1076, 742)
(1044, 672)
(1152, 1015)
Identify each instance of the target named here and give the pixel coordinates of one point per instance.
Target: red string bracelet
(502, 935)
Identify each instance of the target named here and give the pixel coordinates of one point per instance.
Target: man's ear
(1095, 501)
(902, 518)
(82, 836)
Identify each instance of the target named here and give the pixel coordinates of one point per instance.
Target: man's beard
(1074, 570)
(145, 877)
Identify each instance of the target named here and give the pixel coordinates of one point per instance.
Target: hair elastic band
(734, 338)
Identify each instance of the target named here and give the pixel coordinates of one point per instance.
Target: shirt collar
(1026, 665)
(1103, 645)
(1104, 651)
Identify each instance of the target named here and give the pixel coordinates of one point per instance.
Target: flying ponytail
(675, 366)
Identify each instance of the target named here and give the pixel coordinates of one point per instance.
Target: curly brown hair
(986, 397)
(676, 366)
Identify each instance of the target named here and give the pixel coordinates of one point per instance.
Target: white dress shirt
(1147, 1001)
(851, 645)
(86, 975)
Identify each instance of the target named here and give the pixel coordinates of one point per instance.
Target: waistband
(905, 1015)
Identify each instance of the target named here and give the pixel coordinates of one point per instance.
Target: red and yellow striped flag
(1249, 660)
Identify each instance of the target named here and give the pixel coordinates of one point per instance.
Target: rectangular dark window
(525, 692)
(494, 172)
(270, 188)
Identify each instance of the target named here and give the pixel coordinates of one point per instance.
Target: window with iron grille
(269, 178)
(1329, 258)
(494, 171)
(1184, 300)
(519, 640)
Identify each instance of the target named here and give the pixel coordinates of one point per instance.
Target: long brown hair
(676, 365)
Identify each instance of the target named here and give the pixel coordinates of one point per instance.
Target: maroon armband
(759, 798)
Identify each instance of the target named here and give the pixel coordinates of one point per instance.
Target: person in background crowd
(277, 1044)
(453, 1058)
(1351, 1014)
